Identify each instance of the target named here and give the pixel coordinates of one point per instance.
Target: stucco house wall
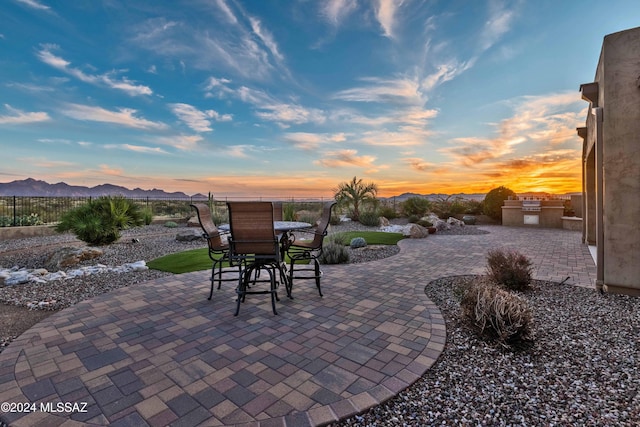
(611, 159)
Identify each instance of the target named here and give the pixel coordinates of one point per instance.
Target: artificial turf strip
(198, 259)
(183, 262)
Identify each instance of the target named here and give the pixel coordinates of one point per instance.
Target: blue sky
(290, 98)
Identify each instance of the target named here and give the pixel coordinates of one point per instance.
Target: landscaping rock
(415, 231)
(189, 235)
(67, 257)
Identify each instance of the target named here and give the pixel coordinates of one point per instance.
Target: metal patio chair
(217, 242)
(253, 243)
(303, 252)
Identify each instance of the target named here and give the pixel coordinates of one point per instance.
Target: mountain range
(35, 188)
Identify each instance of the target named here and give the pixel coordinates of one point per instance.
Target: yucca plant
(100, 221)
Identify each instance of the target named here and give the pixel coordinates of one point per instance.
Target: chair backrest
(252, 229)
(206, 223)
(277, 211)
(321, 230)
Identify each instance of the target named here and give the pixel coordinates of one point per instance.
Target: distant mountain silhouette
(35, 188)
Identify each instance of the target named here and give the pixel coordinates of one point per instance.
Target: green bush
(358, 242)
(171, 224)
(335, 219)
(100, 221)
(493, 201)
(424, 223)
(289, 211)
(414, 219)
(509, 269)
(22, 220)
(449, 206)
(147, 216)
(370, 218)
(496, 314)
(418, 206)
(334, 250)
(388, 212)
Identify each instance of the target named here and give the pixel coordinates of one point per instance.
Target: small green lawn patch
(183, 262)
(198, 259)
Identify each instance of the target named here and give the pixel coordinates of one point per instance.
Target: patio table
(284, 228)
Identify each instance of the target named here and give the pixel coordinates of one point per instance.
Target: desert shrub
(171, 224)
(493, 201)
(147, 215)
(413, 219)
(100, 221)
(334, 250)
(289, 211)
(388, 212)
(424, 223)
(309, 217)
(449, 206)
(335, 218)
(370, 218)
(22, 220)
(496, 314)
(415, 206)
(509, 269)
(358, 242)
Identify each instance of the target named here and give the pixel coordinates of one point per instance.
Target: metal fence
(25, 210)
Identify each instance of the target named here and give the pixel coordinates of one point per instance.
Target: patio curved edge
(98, 351)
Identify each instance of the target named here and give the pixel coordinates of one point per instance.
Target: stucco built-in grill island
(533, 213)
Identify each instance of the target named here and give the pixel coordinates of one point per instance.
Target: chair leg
(318, 275)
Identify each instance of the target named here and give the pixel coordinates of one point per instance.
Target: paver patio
(159, 353)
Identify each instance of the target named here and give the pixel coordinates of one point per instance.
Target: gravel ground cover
(582, 369)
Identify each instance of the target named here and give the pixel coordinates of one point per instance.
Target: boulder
(193, 222)
(416, 231)
(384, 222)
(441, 225)
(189, 235)
(68, 257)
(455, 222)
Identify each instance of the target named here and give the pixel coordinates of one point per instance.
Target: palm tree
(356, 193)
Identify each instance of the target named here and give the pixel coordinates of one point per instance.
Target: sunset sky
(292, 97)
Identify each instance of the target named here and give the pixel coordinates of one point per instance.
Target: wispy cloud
(34, 4)
(199, 121)
(137, 148)
(346, 158)
(336, 11)
(499, 23)
(239, 44)
(312, 141)
(419, 164)
(180, 142)
(19, 117)
(386, 15)
(123, 116)
(401, 90)
(46, 55)
(42, 162)
(539, 121)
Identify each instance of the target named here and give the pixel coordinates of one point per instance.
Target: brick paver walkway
(160, 354)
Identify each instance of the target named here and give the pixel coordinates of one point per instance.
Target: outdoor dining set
(251, 250)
